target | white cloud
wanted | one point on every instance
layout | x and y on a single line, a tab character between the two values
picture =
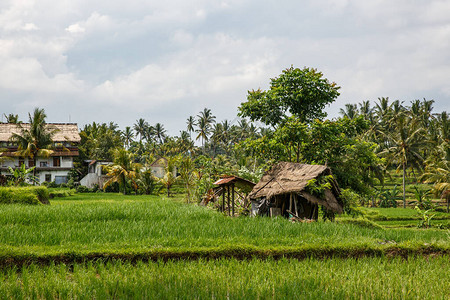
169	59
75	28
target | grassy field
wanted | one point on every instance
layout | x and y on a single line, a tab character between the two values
114	246
374	278
105	223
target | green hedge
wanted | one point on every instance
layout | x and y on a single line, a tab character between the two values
24	195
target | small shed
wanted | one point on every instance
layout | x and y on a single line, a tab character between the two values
282	191
232	189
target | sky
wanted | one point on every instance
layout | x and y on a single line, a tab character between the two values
85	61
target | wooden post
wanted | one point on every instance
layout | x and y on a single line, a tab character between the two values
232	199
228	200
223	198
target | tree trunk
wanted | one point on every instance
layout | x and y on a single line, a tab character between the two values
34	170
404	185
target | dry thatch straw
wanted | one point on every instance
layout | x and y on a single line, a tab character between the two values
287	177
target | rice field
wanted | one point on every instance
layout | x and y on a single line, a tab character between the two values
373	278
106	246
140	223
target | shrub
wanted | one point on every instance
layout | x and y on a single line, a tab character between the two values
24	195
52	185
82	189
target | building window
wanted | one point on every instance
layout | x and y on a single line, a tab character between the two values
56	161
48	177
61	179
43	164
30	163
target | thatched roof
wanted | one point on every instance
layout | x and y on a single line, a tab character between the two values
286	178
67	132
240	183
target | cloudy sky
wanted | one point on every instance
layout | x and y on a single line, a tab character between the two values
163	61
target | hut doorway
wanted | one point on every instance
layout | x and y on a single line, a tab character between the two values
293	205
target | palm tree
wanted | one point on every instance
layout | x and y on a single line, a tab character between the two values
203	131
438	173
170	176
123	170
160	132
140	128
204	123
407	143
190	125
350	111
11	118
128	136
35	139
365	109
149	134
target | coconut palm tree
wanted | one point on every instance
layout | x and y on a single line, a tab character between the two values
123	170
140	128
438	173
190	125
203	132
407	143
11	118
127	135
170	177
365	109
160	132
149	134
35	139
205	120
350	111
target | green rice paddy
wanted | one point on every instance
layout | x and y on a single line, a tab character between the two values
113	246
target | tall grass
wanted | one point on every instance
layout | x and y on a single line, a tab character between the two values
374	278
149	222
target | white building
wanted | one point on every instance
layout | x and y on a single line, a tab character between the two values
56	167
96	174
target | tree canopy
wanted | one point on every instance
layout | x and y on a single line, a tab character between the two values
303	93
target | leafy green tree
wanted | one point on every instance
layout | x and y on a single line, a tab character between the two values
333	143
303	93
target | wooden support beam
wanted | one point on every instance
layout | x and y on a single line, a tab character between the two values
223	198
232	199
228	200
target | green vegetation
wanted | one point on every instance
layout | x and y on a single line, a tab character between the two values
377	278
110	245
86	226
24	195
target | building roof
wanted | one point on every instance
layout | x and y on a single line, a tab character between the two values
287	177
230	179
159	162
241	183
67	132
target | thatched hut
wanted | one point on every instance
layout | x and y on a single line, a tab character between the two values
283	191
233	190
